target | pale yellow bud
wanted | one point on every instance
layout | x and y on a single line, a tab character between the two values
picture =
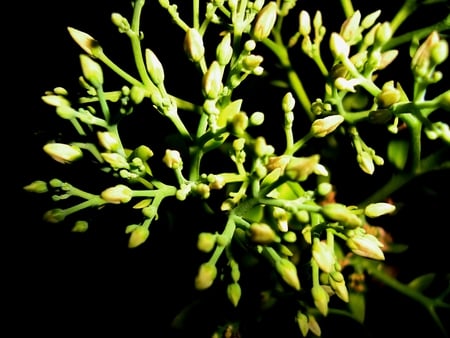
138	236
205	277
366	245
92	71
193	45
117	194
154	67
323	127
63	153
172	159
379	209
265	21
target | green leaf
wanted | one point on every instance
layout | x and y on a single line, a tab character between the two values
357	305
422	282
397	153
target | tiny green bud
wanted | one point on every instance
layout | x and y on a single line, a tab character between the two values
265	21
117	194
350	28
92	71
302	321
137	94
224	50
154	67
444	100
138	236
324	188
116	161
324	126
321	299
63	153
314	326
383	34
389	95
234	293
370	19
193	45
54	215
378	209
206	241
120	22
80	226
365	162
251	62
206	275
439	52
337	283
256	119
38	187
288	272
56	100
288	102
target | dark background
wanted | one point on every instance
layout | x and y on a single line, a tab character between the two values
62	283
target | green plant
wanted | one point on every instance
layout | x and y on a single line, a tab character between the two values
260	178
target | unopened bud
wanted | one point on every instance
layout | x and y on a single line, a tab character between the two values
288	272
92	71
116	161
206	241
323	255
154	67
193	45
304	23
38	187
138	236
54	216
108	140
340	213
117	194
262	233
323	127
224	50
234	293
172	159
339	47
378	209
63	153
86	42
299	168
212	81
206	275
321	299
366	245
388	96
265	21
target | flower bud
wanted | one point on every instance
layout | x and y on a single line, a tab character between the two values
172	159
63	153
54	215
302	321
116	161
304	23
137	94
206	241
265	21
388	96
378	209
340	213
205	277
421	62
193	45
323	127
314	326
323	255
120	22
365	162
366	245
299	168
154	67
92	71
212	81
288	272
251	62
56	100
108	140
321	299
350	28
86	42
80	226
234	293
339	47
224	50
337	283
444	100
383	34
288	102
39	187
138	236
262	233
117	194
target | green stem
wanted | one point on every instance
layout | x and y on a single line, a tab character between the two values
409	6
347	6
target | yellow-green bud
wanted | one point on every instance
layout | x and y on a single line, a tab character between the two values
63	153
314	326
257	118
304	23
224	51
324	188
378	209
212	81
234	293
265	21
288	272
92	71
262	233
54	215
172	159
299	168
288	102
138	236
206	275
38	187
154	67
80	226
389	95
370	19
56	100
66	112
350	31
116	161
323	255
251	62
302	321
108	140
120	22
321	299
340	213
365	162
366	245
137	94
206	241
86	42
117	194
193	45
439	52
386	58
383	34
323	127
444	100
337	283
421	61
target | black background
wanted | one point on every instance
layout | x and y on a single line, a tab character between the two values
61	283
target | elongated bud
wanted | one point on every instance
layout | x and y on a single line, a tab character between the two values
63	153
288	272
378	209
138	236
38	187
302	321
340	213
366	163
86	42
92	71
314	326
193	45
444	100
116	161
224	50
234	293
350	28
154	67
262	233
304	23
323	127
321	299
56	100
337	283
383	34
205	277
288	102
108	140
80	226
265	21
212	81
366	245
54	215
323	255
117	194
339	47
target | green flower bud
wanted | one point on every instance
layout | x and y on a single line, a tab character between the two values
63	153
92	71
138	236
366	245
324	188
193	45
66	112
154	67
337	283
304	23
383	34
365	161
117	194
224	50
444	100
172	159
378	209
323	127
86	42
108	140
80	226
323	255
120	22
302	321
314	326
387	58
389	95
116	161
39	187
265	21
421	62
321	299
288	272
251	62
206	241
262	233
56	100
234	293
340	213
212	81
137	94
206	275
288	102
439	52
370	19
256	119
339	47
350	31
54	215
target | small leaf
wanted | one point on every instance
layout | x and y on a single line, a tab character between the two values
397	153
357	305
422	282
